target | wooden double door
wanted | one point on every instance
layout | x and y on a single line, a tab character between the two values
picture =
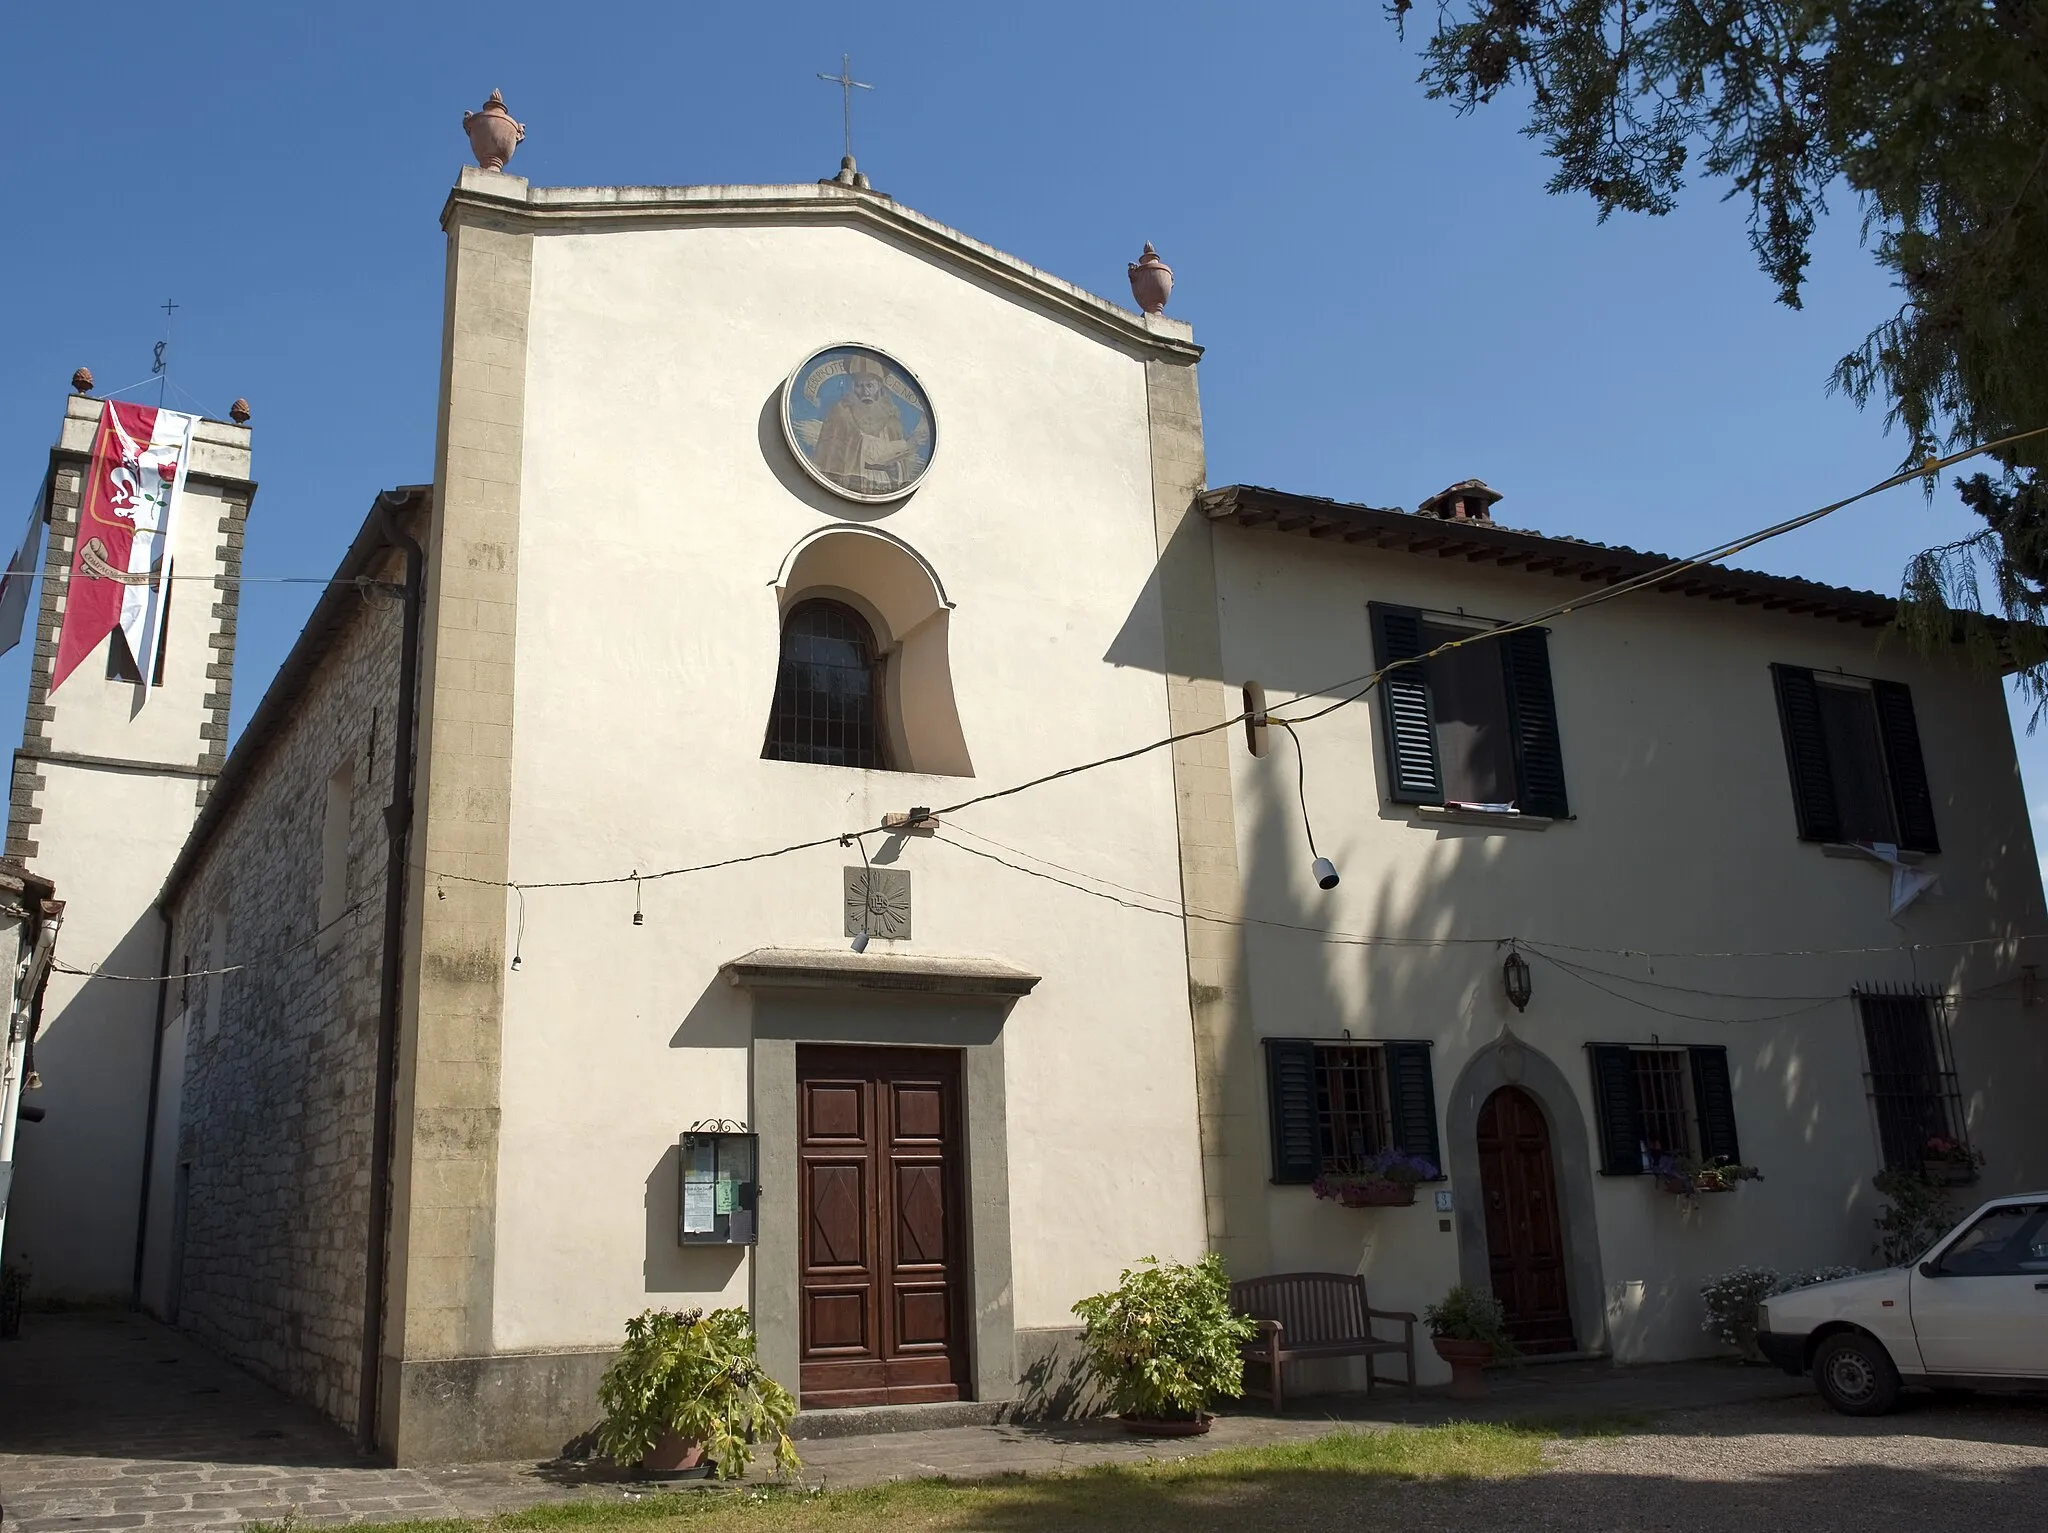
1524	1241
882	1165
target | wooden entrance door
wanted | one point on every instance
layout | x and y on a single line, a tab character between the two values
1524	1244
883	1275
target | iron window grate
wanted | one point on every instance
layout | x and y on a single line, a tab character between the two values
1912	1073
1353	1117
1660	1090
827	690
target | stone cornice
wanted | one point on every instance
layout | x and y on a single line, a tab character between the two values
782	968
499	197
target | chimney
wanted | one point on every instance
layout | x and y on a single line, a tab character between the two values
1469	500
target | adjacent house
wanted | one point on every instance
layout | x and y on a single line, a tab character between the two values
620	898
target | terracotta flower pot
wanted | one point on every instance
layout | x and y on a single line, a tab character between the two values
1166	1426
1468	1360
493	135
1151	281
674	1456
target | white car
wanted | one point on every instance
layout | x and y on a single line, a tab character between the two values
1972	1313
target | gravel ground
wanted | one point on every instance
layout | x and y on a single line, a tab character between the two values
1977	1463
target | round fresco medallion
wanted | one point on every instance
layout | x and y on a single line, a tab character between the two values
859	423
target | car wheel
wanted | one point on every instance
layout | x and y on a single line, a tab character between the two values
1855	1375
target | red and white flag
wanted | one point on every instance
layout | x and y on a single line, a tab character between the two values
120	560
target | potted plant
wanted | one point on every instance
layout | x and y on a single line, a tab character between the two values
1688	1177
686	1395
1469	1329
1164	1342
1950	1161
1385	1180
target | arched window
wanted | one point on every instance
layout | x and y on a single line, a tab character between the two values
827	689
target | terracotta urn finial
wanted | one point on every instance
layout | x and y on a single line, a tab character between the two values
493	135
238	412
1151	281
82	380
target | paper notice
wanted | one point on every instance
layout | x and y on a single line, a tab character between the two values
699	1207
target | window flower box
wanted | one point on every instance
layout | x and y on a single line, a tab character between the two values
1385	1180
1685	1177
1950	1162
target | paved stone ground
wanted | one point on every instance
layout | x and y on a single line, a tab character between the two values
115	1422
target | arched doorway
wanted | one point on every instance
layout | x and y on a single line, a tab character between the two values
1524	1238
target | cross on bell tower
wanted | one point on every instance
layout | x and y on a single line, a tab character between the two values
849	173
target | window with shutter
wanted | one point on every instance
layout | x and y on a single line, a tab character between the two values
1656	1101
1335	1105
1476	724
1618	1109
1412	1090
1407	720
1912	1075
1713	1094
1291	1086
1852	746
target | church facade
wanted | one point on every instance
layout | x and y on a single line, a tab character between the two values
615	903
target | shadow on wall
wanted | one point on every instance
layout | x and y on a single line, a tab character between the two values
674	1268
78	1174
721	1018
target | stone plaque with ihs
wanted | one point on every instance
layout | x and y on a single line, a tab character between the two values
877	902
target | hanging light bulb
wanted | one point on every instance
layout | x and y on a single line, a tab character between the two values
1324	870
860	940
638	919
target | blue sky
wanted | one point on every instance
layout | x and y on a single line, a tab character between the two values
1389	299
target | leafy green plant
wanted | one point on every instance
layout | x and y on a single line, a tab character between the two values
1687	1175
1916	1213
1731	1300
696	1375
1164	1342
1471	1314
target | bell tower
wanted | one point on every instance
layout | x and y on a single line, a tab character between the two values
106	785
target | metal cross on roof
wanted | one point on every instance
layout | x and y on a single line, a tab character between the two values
847	86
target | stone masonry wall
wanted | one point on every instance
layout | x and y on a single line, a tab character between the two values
274	1130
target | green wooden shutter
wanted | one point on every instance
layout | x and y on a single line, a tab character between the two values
1806	754
1912	799
1411	1099
1291	1087
1406	717
1532	722
1619	1109
1713	1093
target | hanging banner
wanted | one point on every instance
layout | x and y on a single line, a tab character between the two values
120	560
19	575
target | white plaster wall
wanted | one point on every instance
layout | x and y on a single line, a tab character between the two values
107	839
657	506
1683	841
163	1172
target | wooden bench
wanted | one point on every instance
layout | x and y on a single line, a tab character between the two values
1304	1316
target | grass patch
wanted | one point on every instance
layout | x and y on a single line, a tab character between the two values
1330	1479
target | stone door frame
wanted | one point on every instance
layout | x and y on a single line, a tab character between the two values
1509	1061
784	1018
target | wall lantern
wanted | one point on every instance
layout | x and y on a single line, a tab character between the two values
1514	978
